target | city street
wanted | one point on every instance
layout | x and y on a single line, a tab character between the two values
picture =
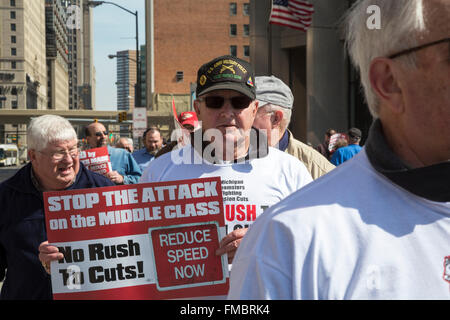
6	172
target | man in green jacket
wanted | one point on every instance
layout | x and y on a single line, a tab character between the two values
274	114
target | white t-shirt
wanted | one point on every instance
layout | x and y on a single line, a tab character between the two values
248	188
352	234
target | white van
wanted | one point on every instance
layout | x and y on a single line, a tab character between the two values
9	155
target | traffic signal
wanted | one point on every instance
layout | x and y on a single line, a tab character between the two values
122	116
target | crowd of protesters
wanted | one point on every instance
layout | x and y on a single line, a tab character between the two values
332	230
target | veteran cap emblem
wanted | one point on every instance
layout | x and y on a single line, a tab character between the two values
226	72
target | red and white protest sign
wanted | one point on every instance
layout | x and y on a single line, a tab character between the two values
142	241
182	253
334	139
96	160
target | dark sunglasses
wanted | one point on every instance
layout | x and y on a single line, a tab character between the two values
216	102
407	51
101	133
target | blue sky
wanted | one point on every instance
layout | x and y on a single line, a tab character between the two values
114	30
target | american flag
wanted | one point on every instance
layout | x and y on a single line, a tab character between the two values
292	13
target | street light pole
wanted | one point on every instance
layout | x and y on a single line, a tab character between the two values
137	103
94	4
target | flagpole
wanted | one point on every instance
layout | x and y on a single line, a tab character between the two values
270	40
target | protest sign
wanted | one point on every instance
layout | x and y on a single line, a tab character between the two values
96	160
139	122
334	139
142	241
182	253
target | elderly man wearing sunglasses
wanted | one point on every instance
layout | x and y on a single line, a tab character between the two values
254	176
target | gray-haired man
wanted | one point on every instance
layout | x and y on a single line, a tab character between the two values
274	115
54	166
378	226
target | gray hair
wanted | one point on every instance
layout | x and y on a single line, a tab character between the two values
48	129
129	140
401	22
287	113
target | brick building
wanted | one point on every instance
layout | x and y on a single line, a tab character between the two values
188	33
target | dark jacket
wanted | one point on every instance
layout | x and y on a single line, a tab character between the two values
22	230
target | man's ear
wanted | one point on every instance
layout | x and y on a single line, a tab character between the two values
32	155
197	107
383	75
276	118
255	106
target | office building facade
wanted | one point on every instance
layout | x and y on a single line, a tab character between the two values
126	79
23	70
23	74
57	55
80	57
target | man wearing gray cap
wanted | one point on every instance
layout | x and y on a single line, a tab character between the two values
274	115
378	226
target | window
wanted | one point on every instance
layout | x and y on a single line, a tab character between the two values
13	27
246	30
12	3
246	9
179	76
13	65
13	104
12	14
233	30
13	39
13	51
233	50
233	8
246	51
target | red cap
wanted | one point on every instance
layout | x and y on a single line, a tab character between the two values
188	117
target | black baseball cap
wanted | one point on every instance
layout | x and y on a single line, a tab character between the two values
355	133
226	72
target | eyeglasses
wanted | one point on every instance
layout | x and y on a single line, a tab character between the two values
59	155
407	51
216	102
101	133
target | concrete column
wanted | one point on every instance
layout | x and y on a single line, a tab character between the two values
259	36
327	72
149	53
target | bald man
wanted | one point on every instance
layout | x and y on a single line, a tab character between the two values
125	169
